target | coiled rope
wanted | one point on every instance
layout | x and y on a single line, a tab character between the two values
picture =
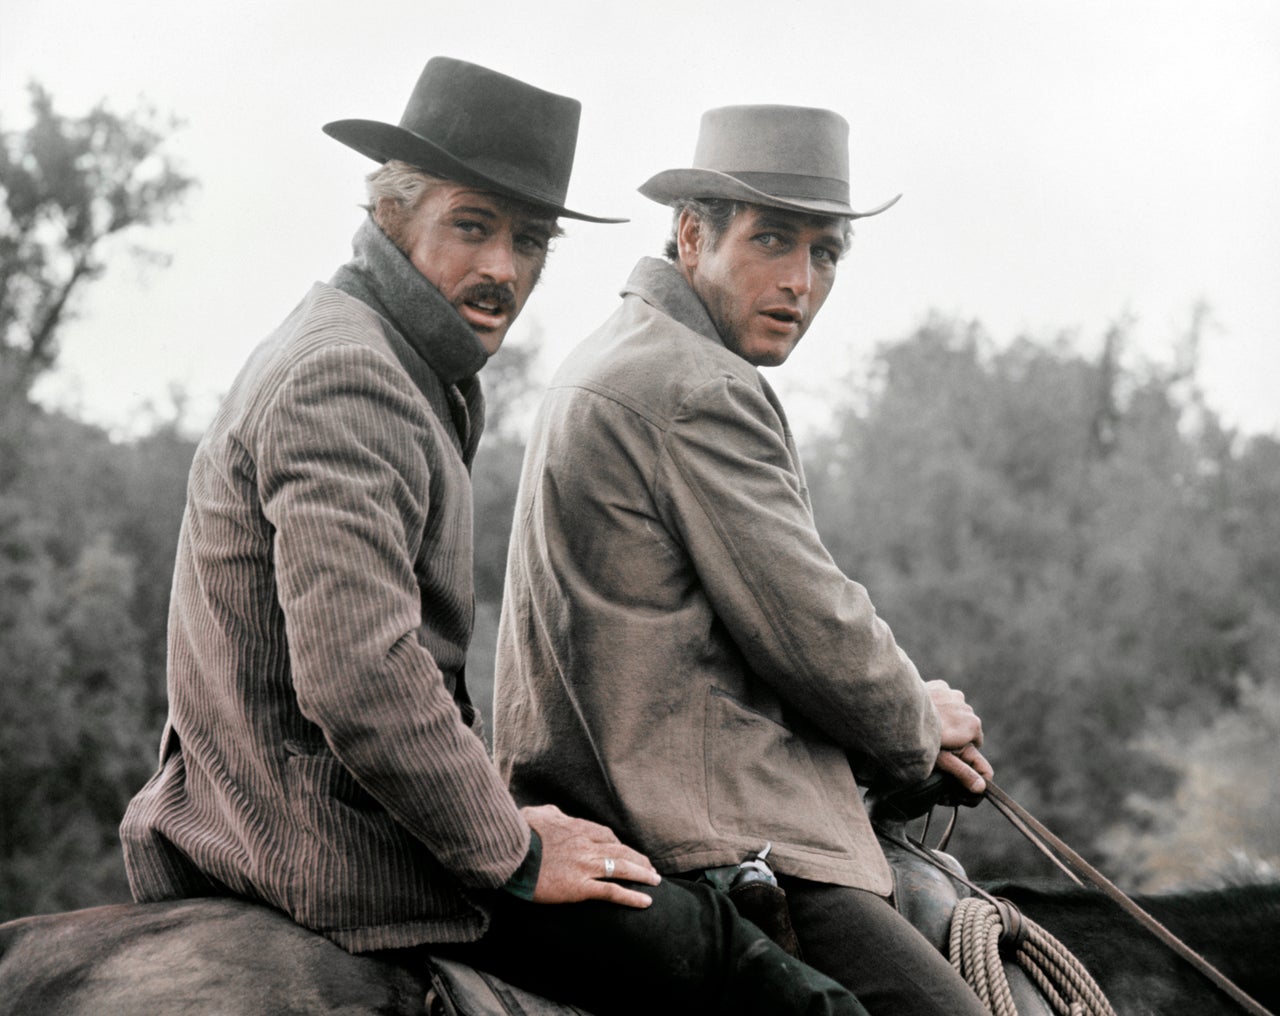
981	928
976	942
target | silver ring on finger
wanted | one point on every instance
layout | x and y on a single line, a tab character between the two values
608	867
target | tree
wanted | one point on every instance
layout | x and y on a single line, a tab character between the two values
1076	543
86	526
86	556
69	186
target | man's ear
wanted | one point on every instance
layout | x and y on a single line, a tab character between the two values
688	238
389	215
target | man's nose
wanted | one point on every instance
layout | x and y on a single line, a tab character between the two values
797	276
499	261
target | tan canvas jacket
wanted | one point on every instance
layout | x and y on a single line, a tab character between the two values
679	657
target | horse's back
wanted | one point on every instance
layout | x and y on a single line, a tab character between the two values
190	956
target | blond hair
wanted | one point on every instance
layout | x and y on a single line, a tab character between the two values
395	191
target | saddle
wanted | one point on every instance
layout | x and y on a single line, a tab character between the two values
928	883
460	990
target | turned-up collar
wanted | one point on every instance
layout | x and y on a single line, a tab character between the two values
660	283
380	275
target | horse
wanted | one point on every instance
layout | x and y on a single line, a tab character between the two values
1237	929
236	958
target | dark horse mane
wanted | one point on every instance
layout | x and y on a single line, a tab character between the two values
1236	928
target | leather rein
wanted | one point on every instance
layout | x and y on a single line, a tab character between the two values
1072	863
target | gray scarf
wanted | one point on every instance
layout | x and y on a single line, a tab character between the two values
381	276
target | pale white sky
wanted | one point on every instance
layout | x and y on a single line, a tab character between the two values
1064	163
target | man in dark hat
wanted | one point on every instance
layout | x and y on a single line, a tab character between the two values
321	753
679	657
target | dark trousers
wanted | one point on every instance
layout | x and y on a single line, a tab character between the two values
689	954
859	940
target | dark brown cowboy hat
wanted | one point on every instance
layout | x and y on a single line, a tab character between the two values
476	126
791	157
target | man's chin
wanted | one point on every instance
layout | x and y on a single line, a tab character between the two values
768	355
761	350
490	339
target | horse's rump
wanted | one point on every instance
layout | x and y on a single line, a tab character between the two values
191	956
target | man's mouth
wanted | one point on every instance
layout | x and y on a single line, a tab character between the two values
487	306
783	315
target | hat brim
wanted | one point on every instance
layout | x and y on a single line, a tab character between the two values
383	141
671	185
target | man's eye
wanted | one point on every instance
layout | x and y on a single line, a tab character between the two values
469	226
530	242
773	241
826	255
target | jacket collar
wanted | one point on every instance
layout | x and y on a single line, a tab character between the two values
659	283
380	275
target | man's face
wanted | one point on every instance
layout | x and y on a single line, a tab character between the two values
765	280
482	251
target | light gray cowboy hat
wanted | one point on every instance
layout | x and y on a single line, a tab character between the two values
791	157
467	123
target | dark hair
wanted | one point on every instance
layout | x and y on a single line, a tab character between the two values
715	214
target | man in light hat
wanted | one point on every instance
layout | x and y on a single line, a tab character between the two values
321	754
679	657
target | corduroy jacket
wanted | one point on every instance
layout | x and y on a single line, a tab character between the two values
318	754
679	657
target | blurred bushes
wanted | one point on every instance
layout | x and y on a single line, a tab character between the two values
87	536
1084	550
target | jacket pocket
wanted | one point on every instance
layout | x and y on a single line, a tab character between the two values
354	865
322	778
762	781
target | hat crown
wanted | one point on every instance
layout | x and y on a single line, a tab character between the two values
500	126
790	157
467	123
794	140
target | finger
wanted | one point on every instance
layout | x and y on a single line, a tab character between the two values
619	851
622	852
976	761
980	763
630	870
969	777
612	892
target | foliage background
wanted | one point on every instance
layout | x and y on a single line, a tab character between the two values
1073	538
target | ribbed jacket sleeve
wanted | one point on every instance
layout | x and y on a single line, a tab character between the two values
347	477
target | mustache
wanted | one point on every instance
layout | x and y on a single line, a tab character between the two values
501	296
